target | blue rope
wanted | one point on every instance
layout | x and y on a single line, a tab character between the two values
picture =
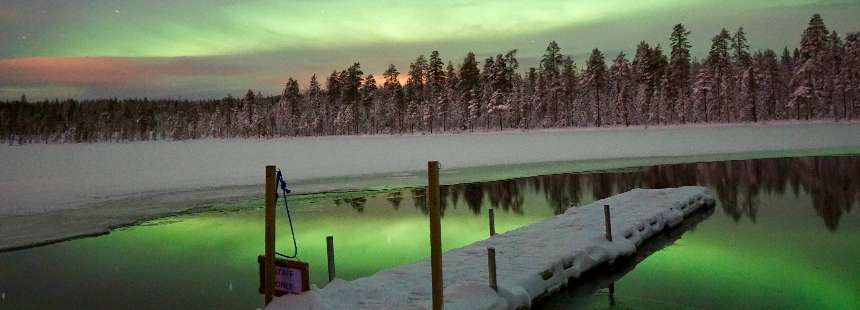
279	182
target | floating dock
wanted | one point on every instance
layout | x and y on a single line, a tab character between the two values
531	262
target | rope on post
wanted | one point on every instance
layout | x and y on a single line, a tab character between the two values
282	184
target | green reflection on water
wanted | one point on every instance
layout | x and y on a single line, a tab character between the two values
212	256
785	260
783	236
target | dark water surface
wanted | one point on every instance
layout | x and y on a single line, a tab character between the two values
785	234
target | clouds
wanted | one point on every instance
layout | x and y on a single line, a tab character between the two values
118	76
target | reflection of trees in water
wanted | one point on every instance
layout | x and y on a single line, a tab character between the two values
395	198
358	203
560	190
419	198
830	181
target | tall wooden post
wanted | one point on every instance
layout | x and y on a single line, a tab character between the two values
329	245
606	218
492	223
269	261
435	232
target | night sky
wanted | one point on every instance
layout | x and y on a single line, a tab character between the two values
207	49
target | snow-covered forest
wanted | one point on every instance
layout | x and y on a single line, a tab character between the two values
820	79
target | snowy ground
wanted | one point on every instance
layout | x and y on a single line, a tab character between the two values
531	261
88	188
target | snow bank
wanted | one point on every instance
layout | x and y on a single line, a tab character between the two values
531	261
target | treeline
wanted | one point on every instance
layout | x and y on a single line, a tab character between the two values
818	80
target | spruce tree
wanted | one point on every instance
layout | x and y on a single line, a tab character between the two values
679	72
595	79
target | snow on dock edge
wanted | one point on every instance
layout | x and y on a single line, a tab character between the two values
531	261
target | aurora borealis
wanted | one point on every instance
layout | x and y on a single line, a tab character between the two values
201	49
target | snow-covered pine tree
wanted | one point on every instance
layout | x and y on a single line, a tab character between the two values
770	83
316	105
435	74
851	74
415	88
451	102
289	110
747	99
810	74
495	106
469	89
740	95
487	88
329	112
474	109
621	86
368	100
550	66
594	80
569	82
720	70
394	98
835	85
679	74
702	89
350	86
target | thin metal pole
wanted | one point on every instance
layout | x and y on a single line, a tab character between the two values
329	243
269	261
435	233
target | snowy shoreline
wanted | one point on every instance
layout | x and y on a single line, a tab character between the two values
532	261
59	191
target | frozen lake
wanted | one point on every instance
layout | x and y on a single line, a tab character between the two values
784	234
57	191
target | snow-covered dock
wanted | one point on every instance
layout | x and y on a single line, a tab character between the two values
532	261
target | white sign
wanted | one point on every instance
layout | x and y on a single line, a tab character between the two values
288	280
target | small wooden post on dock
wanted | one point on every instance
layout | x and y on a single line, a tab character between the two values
435	233
269	262
329	246
606	217
612	294
492	223
491	262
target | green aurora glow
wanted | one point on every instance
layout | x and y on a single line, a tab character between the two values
271	40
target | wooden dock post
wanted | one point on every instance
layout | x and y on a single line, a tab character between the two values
269	261
435	232
329	246
612	294
492	223
491	262
606	217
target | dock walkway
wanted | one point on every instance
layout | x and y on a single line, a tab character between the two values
532	261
